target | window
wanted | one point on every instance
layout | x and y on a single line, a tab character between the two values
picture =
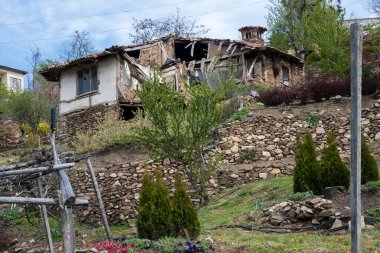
14	83
87	81
285	75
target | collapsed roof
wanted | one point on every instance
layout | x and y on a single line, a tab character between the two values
185	50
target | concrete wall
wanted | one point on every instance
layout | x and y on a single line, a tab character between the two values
107	91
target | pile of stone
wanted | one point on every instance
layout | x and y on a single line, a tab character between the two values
315	210
10	133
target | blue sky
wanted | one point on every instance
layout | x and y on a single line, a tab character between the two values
26	24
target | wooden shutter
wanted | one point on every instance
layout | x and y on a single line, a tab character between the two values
80	89
94	79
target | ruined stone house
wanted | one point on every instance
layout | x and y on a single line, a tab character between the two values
108	79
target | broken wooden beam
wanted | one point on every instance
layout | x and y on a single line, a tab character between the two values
38	201
37	170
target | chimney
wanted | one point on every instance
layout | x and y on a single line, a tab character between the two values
252	33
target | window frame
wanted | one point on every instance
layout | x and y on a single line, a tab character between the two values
90	74
18	86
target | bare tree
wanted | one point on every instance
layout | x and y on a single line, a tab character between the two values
178	25
374	6
79	46
34	60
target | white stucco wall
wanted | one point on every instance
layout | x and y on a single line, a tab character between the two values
107	89
6	76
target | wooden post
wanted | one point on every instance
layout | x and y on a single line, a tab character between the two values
356	45
99	198
66	195
45	218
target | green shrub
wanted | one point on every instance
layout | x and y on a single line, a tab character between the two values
333	170
373	212
306	172
370	171
144	219
372	186
161	214
184	215
248	154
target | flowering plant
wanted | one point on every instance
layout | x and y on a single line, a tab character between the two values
116	245
193	247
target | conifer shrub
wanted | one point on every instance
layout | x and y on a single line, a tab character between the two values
184	215
306	172
370	171
161	214
144	219
334	171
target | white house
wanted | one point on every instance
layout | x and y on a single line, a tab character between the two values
12	78
108	80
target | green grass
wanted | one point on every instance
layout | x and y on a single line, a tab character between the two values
230	207
238	115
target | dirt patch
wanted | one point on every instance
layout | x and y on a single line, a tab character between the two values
370	200
119	155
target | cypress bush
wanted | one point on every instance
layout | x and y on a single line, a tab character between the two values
144	220
334	171
306	172
161	214
184	215
370	171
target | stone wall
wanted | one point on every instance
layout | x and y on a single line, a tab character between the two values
270	133
69	124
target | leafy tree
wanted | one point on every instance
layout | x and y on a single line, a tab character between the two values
179	123
183	212
370	172
327	39
306	172
333	170
312	28
161	214
178	25
28	107
79	46
144	219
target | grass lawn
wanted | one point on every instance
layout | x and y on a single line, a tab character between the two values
242	204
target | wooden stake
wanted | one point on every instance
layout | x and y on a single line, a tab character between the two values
356	45
99	198
45	218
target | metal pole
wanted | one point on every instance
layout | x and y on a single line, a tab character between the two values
99	198
45	218
356	45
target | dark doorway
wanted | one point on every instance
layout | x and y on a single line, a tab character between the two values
128	112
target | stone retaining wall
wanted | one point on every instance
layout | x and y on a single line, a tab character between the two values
270	133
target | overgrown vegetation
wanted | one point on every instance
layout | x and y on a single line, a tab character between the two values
107	132
334	171
238	115
307	171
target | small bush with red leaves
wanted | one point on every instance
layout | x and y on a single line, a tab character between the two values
317	88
